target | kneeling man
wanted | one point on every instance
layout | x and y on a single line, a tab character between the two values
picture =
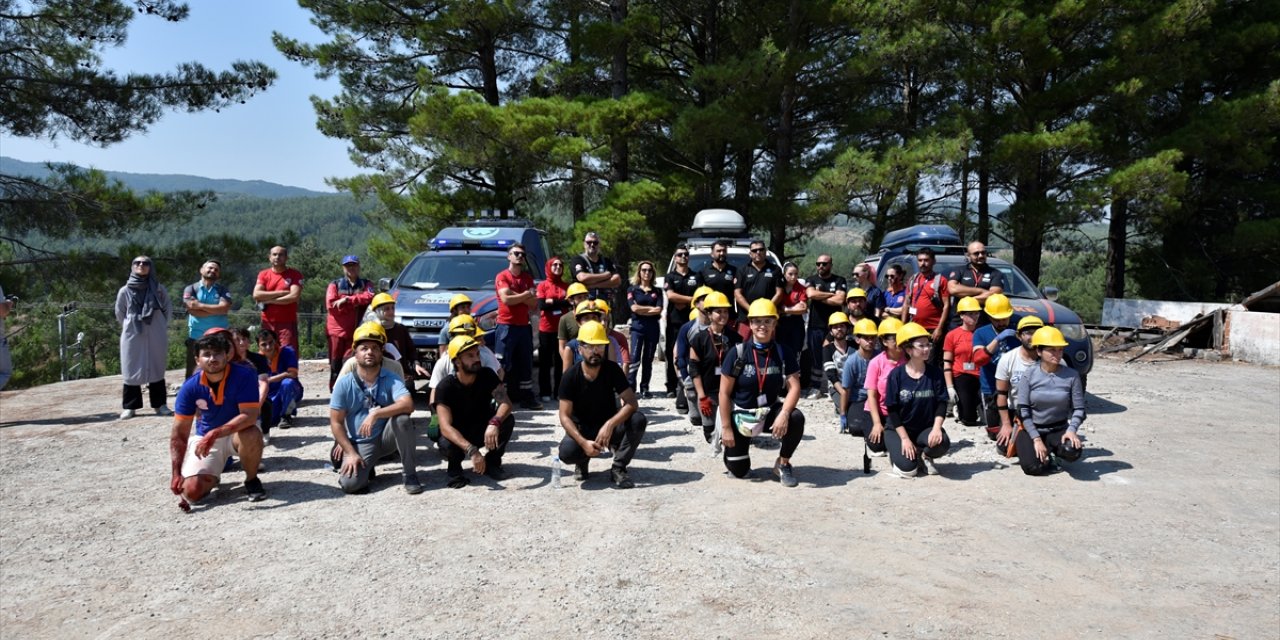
222	402
598	409
369	416
474	413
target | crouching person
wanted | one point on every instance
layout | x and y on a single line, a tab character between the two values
916	398
598	409
222	401
474	413
1050	401
759	389
369	416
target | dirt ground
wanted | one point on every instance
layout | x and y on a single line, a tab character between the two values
1169	527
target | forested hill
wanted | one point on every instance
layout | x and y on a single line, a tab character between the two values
173	182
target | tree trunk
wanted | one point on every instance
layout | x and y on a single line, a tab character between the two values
619	155
984	170
1117	239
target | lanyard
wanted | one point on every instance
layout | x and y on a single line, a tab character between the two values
367	394
914	291
716	342
760	373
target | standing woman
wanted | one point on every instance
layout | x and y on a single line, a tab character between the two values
143	311
958	367
877	377
553	303
895	291
916	397
1051	405
646	314
759	389
795	304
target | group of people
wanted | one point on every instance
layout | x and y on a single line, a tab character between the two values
740	359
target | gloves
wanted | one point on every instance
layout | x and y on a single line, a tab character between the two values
844	424
1006	334
951	393
704	405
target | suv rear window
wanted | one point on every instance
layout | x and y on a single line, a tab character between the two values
456	271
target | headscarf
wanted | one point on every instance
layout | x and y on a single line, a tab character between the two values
553	286
144	296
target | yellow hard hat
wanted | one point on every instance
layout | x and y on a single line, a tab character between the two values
910	331
592	333
370	331
715	300
968	303
461	298
463	324
865	327
576	289
1030	321
460	344
998	306
701	292
585	307
601	305
889	326
693	314
1048	337
838	317
381	299
856	292
762	308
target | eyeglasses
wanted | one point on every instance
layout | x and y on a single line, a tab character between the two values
762	322
682	254
978	254
557	265
921	345
824	264
592	348
141	263
518	254
757	250
591	242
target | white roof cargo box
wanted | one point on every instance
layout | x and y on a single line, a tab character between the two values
713	221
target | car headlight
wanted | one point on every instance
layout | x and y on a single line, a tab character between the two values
488	322
1072	331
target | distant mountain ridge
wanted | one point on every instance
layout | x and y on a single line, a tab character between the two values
174	182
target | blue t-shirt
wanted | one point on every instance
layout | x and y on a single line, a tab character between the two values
217	404
875	300
773	360
891	300
983	336
286	359
205	295
652	298
687	330
916	402
854	376
352	396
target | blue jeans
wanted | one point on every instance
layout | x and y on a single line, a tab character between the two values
644	344
290	390
515	349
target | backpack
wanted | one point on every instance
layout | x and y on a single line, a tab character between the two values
936	299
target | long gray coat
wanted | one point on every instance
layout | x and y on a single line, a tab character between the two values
144	348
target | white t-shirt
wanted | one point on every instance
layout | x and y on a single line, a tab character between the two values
1011	367
444	366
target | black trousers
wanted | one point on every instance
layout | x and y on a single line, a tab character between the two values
968	398
991	414
737	459
1052	438
474	433
549	364
133	395
626	438
675	320
191	357
893	444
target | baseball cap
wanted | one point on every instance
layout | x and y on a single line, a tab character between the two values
350	259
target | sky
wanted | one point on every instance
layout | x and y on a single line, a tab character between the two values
271	137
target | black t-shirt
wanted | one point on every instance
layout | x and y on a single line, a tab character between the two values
683	284
260	363
580	264
471	405
594	401
711	350
777	365
819	312
722	281
971	276
759	283
916	402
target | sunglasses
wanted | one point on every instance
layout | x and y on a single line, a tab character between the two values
824	264
760	250
557	265
518	254
682	255
141	263
592	242
979	253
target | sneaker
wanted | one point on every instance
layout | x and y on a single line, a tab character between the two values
670	395
163	410
292	409
580	470
929	468
682	403
127	413
253	489
785	473
286	422
496	472
457	482
411	484
893	468
531	405
620	478
717	443
545	399
877	454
